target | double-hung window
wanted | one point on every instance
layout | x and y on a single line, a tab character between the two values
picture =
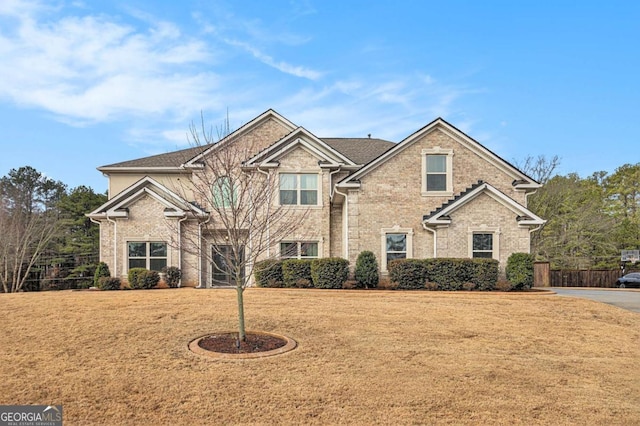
482	245
396	247
224	195
299	249
436	172
396	243
148	255
299	189
437	176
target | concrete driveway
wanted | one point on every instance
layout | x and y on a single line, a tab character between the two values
626	299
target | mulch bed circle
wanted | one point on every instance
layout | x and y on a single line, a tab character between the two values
256	345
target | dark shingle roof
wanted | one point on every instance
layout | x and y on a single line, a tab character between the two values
170	159
359	150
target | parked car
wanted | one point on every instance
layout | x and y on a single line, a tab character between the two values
629	280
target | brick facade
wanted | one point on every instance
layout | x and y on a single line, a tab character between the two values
389	197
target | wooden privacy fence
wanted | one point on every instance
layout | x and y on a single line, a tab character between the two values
544	276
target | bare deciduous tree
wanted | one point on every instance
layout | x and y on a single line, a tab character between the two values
539	168
28	223
245	220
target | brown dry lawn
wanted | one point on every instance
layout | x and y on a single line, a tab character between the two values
364	357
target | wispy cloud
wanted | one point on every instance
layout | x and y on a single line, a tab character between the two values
88	69
294	70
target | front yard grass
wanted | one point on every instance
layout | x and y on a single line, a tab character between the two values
364	357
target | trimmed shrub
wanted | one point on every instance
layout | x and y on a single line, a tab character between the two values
294	270
451	273
102	270
108	283
485	274
444	273
520	270
268	273
329	272
133	276
172	275
148	279
366	272
408	273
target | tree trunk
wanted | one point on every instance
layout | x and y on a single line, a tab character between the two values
242	336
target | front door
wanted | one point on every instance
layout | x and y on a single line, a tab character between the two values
223	272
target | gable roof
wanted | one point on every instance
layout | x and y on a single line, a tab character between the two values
440	216
299	137
360	150
178	160
175	206
520	180
168	160
268	114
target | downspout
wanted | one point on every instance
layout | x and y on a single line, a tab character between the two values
345	223
180	247
115	244
200	253
435	239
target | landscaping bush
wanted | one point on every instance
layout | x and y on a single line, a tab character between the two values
140	278
329	272
520	270
366	272
108	283
149	279
444	273
101	271
294	270
485	274
408	273
133	276
451	273
172	275
268	273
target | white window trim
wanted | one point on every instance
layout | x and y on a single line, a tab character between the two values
383	243
484	229
299	242
437	151
298	173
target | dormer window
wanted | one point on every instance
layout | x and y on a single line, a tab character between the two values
437	176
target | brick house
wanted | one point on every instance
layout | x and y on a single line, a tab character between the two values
437	193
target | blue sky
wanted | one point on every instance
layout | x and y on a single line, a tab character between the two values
89	83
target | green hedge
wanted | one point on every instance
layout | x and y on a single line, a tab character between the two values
444	273
329	272
297	273
409	273
366	272
520	270
268	273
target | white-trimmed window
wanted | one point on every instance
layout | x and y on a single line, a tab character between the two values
299	249
148	255
299	189
224	195
396	243
484	242
437	171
